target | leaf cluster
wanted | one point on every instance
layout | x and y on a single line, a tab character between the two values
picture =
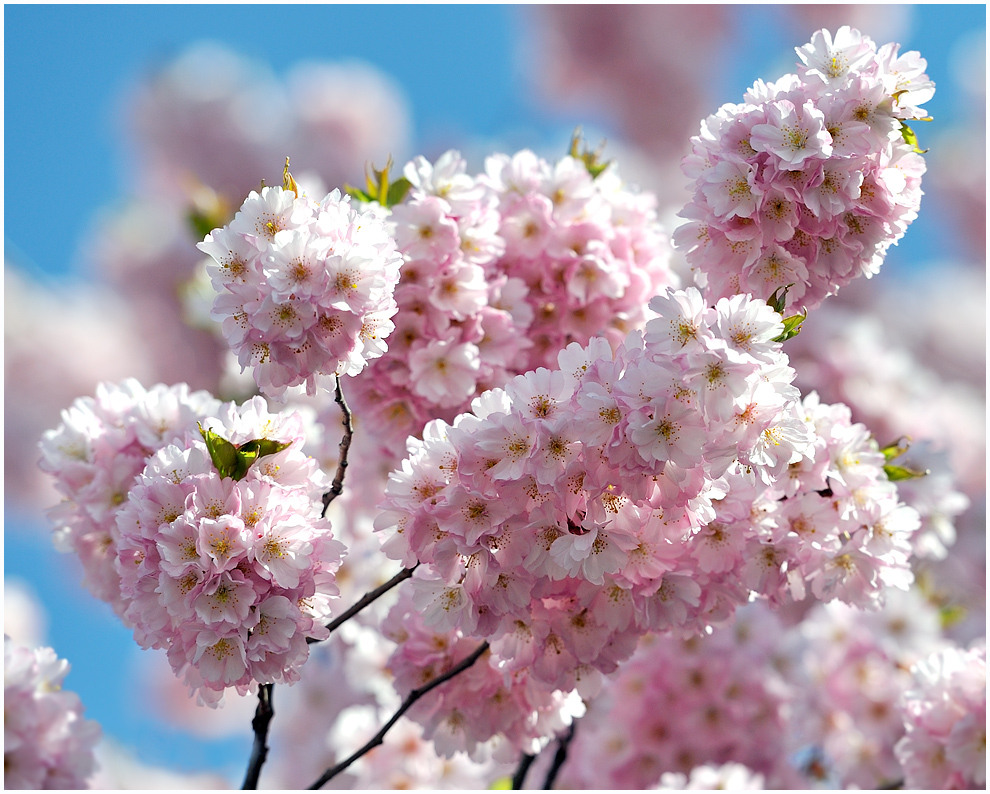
591	159
792	325
233	460
896	472
378	187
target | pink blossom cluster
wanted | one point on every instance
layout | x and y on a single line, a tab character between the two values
46	742
230	574
304	288
677	704
945	714
501	271
94	456
485	702
810	179
589	250
849	670
651	489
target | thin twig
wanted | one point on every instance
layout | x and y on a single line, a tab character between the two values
559	757
413	696
368	598
262	718
519	777
337	486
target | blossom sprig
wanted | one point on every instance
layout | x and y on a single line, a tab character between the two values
810	179
304	287
230	574
47	744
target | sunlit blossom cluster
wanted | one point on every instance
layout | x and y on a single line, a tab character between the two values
810	179
304	288
230	574
94	456
47	744
652	489
945	713
501	271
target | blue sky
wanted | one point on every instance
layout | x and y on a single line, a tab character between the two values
462	68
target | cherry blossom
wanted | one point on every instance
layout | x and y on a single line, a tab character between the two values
811	179
47	743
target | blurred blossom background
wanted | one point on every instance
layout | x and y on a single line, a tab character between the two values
132	130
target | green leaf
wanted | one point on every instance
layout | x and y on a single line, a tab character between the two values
579	151
264	446
779	302
896	473
502	784
244	460
357	193
397	191
222	453
201	223
792	327
896	449
910	138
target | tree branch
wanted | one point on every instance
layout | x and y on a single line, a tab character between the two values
519	776
337	486
559	757
368	598
262	718
412	697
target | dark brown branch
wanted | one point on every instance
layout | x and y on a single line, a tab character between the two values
368	598
337	486
559	757
519	776
413	696
262	718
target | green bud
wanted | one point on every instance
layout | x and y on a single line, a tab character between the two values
896	473
378	187
288	182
